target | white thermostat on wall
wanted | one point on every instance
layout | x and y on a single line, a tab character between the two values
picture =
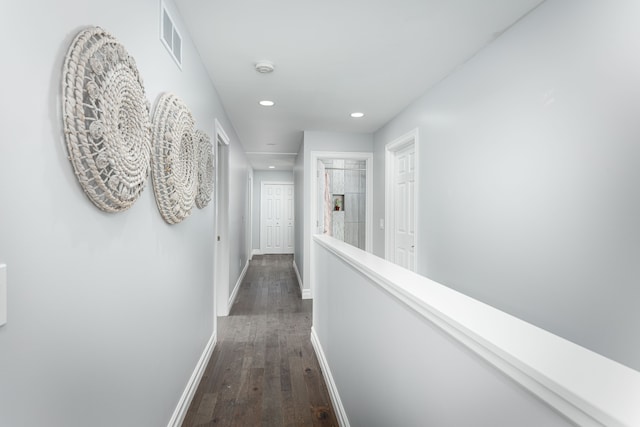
3	294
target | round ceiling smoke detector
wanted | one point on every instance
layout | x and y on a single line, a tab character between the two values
264	67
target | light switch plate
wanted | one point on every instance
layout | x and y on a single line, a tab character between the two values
3	294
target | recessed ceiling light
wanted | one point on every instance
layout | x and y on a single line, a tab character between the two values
357	115
272	167
267	103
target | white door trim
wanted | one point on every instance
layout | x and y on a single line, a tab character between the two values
263	249
313	187
221	188
410	138
289	218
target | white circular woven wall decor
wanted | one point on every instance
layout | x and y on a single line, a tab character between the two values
174	159
205	169
106	119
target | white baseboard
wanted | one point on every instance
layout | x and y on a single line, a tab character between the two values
190	390
306	293
343	421
234	294
295	268
256	252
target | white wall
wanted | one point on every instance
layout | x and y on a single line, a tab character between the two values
529	166
323	141
239	172
258	177
393	367
108	313
299	209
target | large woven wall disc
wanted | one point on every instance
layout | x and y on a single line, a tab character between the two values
205	169
174	159
106	120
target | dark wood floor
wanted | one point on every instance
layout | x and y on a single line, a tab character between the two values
263	371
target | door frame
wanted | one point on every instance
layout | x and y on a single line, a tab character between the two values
309	273
262	231
249	216
221	257
319	182
390	150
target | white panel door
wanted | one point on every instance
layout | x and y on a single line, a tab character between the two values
276	219
273	219
404	208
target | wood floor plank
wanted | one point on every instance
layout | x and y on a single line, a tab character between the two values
288	411
302	406
272	403
263	371
249	403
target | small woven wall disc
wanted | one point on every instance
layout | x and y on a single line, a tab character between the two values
174	159
106	120
205	169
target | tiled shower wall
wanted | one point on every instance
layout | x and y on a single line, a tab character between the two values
349	223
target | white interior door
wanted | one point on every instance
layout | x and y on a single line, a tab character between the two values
401	178
276	218
272	218
404	206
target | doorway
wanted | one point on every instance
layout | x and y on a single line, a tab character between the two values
249	216
401	170
342	200
316	212
221	186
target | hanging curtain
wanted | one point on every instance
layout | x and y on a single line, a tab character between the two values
327	205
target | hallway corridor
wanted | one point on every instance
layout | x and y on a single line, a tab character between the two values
263	371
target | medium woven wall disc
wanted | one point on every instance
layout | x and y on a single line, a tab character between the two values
174	159
205	169
106	118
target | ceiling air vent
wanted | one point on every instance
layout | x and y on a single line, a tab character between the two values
264	67
170	36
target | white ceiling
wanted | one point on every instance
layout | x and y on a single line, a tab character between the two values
333	57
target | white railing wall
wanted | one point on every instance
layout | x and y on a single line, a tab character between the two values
398	349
